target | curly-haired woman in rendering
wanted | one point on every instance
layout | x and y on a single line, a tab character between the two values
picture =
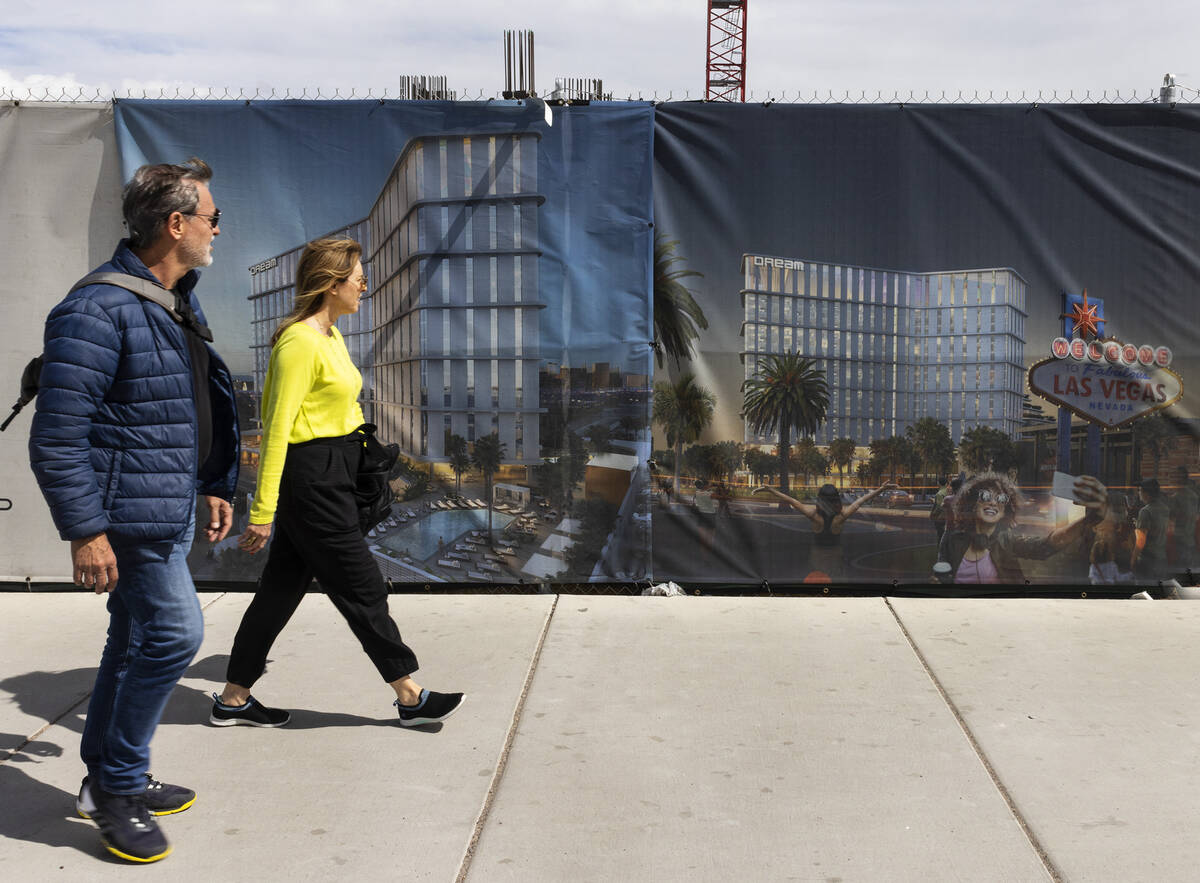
985	546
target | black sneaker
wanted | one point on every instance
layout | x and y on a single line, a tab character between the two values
432	708
127	829
162	799
252	714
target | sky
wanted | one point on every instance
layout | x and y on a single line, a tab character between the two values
652	49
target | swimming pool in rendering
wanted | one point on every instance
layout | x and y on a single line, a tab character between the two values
420	539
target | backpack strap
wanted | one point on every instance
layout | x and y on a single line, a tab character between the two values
144	289
150	291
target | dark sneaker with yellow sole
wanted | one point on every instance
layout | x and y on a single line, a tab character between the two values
127	829
252	714
431	708
162	799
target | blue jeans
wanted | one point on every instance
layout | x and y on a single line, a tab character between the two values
155	629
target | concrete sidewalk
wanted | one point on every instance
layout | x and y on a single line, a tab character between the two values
616	738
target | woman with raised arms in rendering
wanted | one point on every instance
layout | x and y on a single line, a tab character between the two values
985	546
828	517
311	447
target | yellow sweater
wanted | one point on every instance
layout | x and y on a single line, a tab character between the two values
311	391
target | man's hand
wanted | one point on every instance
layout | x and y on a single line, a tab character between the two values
254	538
220	519
94	564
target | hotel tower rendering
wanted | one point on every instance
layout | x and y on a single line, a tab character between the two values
895	345
447	337
455	303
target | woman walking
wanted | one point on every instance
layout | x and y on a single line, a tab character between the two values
311	448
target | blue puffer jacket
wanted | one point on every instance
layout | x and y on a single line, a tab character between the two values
113	443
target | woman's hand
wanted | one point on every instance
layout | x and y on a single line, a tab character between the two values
1091	493
255	537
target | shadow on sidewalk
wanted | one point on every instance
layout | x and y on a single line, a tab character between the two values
51	696
190	705
40	694
60	697
210	668
307	719
36	812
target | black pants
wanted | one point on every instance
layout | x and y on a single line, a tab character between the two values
317	534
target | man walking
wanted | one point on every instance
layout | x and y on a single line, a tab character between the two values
135	416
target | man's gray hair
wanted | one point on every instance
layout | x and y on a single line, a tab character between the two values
155	192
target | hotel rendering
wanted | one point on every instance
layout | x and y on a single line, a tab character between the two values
447	337
895	345
455	296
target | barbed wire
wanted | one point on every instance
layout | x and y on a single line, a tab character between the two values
88	95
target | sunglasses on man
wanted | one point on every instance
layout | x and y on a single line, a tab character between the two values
213	219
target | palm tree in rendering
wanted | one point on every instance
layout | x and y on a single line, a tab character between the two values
487	456
932	442
683	409
1154	435
841	455
788	396
678	319
460	460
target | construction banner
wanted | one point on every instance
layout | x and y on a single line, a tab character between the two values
857	296
504	336
940	347
60	216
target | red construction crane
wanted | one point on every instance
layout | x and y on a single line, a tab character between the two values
725	74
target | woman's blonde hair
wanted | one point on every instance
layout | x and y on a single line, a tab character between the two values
323	264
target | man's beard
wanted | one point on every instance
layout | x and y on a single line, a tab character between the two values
195	257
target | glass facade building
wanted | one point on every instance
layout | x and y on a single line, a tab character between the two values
895	345
455	296
448	334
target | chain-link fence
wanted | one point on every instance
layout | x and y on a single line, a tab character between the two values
87	95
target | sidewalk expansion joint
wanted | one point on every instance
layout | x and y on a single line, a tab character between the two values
1036	845
8	754
502	760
